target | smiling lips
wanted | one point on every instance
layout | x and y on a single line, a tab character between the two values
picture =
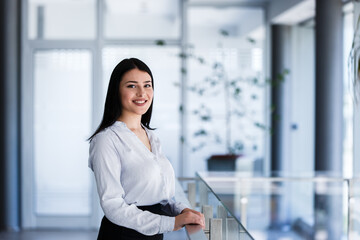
140	103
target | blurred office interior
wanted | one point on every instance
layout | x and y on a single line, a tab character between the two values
267	82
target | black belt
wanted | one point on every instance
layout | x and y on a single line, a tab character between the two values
157	209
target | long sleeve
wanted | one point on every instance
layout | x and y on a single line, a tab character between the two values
173	207
105	162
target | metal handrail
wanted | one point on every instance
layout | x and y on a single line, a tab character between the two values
195	232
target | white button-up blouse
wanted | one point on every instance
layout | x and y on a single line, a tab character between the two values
129	175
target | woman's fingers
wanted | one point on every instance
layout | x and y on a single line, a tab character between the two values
201	217
189	217
193	218
193	211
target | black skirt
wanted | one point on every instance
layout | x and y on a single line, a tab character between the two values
111	231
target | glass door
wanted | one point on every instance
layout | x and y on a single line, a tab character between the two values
58	77
59	184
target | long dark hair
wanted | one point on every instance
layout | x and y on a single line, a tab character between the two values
113	107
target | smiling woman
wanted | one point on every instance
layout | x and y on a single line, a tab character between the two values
135	181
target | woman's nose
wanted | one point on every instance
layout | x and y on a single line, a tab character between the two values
140	92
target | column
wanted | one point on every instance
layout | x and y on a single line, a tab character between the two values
9	111
329	85
280	97
329	114
280	120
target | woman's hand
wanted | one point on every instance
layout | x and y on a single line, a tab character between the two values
189	216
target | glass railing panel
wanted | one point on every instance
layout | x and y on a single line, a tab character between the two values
213	207
220	224
195	232
280	207
189	232
354	209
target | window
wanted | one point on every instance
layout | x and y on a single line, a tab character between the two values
141	19
61	19
62	121
227	91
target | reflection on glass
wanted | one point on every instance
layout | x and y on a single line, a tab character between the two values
62	123
165	66
226	86
64	19
142	19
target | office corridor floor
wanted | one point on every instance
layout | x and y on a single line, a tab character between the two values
70	235
49	235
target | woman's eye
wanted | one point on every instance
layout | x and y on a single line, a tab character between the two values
131	86
148	85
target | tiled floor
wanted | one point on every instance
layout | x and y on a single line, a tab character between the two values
70	235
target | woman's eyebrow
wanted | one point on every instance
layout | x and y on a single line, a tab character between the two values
131	82
149	81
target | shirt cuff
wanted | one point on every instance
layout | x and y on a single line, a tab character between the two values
179	207
167	224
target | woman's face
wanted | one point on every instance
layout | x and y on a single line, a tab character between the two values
136	92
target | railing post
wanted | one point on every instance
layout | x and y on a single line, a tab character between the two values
243	203
192	194
232	229
222	214
215	229
208	214
203	194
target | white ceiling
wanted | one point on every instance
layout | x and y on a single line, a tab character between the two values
303	11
